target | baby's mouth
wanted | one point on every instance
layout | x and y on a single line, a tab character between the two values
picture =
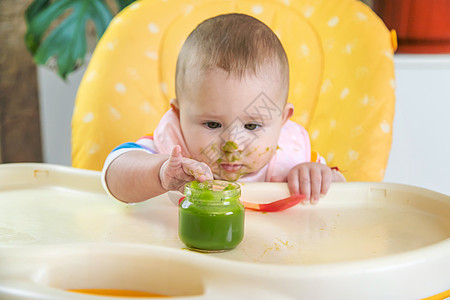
231	167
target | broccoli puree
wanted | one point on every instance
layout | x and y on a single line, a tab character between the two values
211	217
229	146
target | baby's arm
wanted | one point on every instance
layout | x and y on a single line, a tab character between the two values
312	179
136	176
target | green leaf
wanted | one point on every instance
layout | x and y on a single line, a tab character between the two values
32	37
66	43
123	3
35	8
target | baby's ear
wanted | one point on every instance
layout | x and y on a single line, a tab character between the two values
175	106
287	112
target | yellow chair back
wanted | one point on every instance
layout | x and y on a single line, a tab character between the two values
341	65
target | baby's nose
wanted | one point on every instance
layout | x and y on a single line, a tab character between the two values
230	146
231	151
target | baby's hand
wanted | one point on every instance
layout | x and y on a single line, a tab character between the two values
178	170
312	179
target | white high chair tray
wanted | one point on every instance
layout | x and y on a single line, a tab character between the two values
59	230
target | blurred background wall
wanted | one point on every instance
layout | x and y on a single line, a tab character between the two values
20	135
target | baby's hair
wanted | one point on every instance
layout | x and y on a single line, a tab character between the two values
237	43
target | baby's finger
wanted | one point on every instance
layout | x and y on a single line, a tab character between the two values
316	184
305	183
175	158
294	188
203	173
207	173
337	176
327	175
200	171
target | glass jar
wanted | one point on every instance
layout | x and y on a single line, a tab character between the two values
211	216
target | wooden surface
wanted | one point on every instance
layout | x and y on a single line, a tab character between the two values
20	137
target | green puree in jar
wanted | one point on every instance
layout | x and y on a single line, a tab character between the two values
211	217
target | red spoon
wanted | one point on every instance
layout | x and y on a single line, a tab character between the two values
278	205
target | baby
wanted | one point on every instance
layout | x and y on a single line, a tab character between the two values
229	121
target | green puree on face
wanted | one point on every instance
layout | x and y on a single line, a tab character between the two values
229	146
211	219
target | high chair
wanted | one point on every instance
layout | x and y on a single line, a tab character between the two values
341	77
60	234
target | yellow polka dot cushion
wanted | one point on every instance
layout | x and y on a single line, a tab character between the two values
341	63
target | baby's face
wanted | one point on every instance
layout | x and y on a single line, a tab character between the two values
233	124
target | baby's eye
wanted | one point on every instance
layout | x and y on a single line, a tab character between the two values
251	126
213	125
